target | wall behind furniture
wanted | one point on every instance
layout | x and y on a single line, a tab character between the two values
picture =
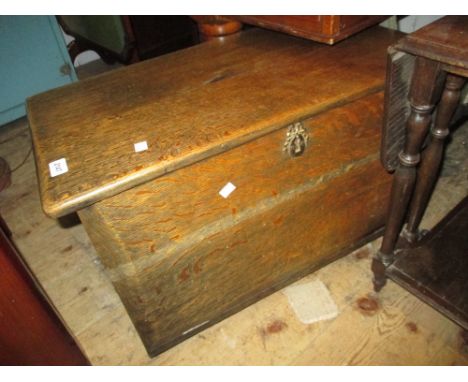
409	24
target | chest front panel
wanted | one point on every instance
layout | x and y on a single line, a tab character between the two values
182	257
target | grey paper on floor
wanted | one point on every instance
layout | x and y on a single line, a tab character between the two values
311	301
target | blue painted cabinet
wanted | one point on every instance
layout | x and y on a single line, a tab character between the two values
33	59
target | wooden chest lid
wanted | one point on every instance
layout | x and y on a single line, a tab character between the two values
188	106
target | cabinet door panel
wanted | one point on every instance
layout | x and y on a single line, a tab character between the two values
33	59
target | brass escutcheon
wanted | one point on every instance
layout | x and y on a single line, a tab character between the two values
296	140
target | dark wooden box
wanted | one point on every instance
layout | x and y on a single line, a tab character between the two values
322	28
294	125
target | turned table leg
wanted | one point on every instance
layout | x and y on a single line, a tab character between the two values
432	156
421	100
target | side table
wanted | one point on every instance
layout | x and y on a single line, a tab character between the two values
437	57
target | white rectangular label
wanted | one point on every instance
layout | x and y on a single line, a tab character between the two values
141	146
58	167
227	189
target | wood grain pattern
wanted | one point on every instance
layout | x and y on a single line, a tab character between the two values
402	331
322	28
182	258
191	105
445	40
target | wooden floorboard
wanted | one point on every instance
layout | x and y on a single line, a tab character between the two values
391	328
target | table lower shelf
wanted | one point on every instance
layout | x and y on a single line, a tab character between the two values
436	269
